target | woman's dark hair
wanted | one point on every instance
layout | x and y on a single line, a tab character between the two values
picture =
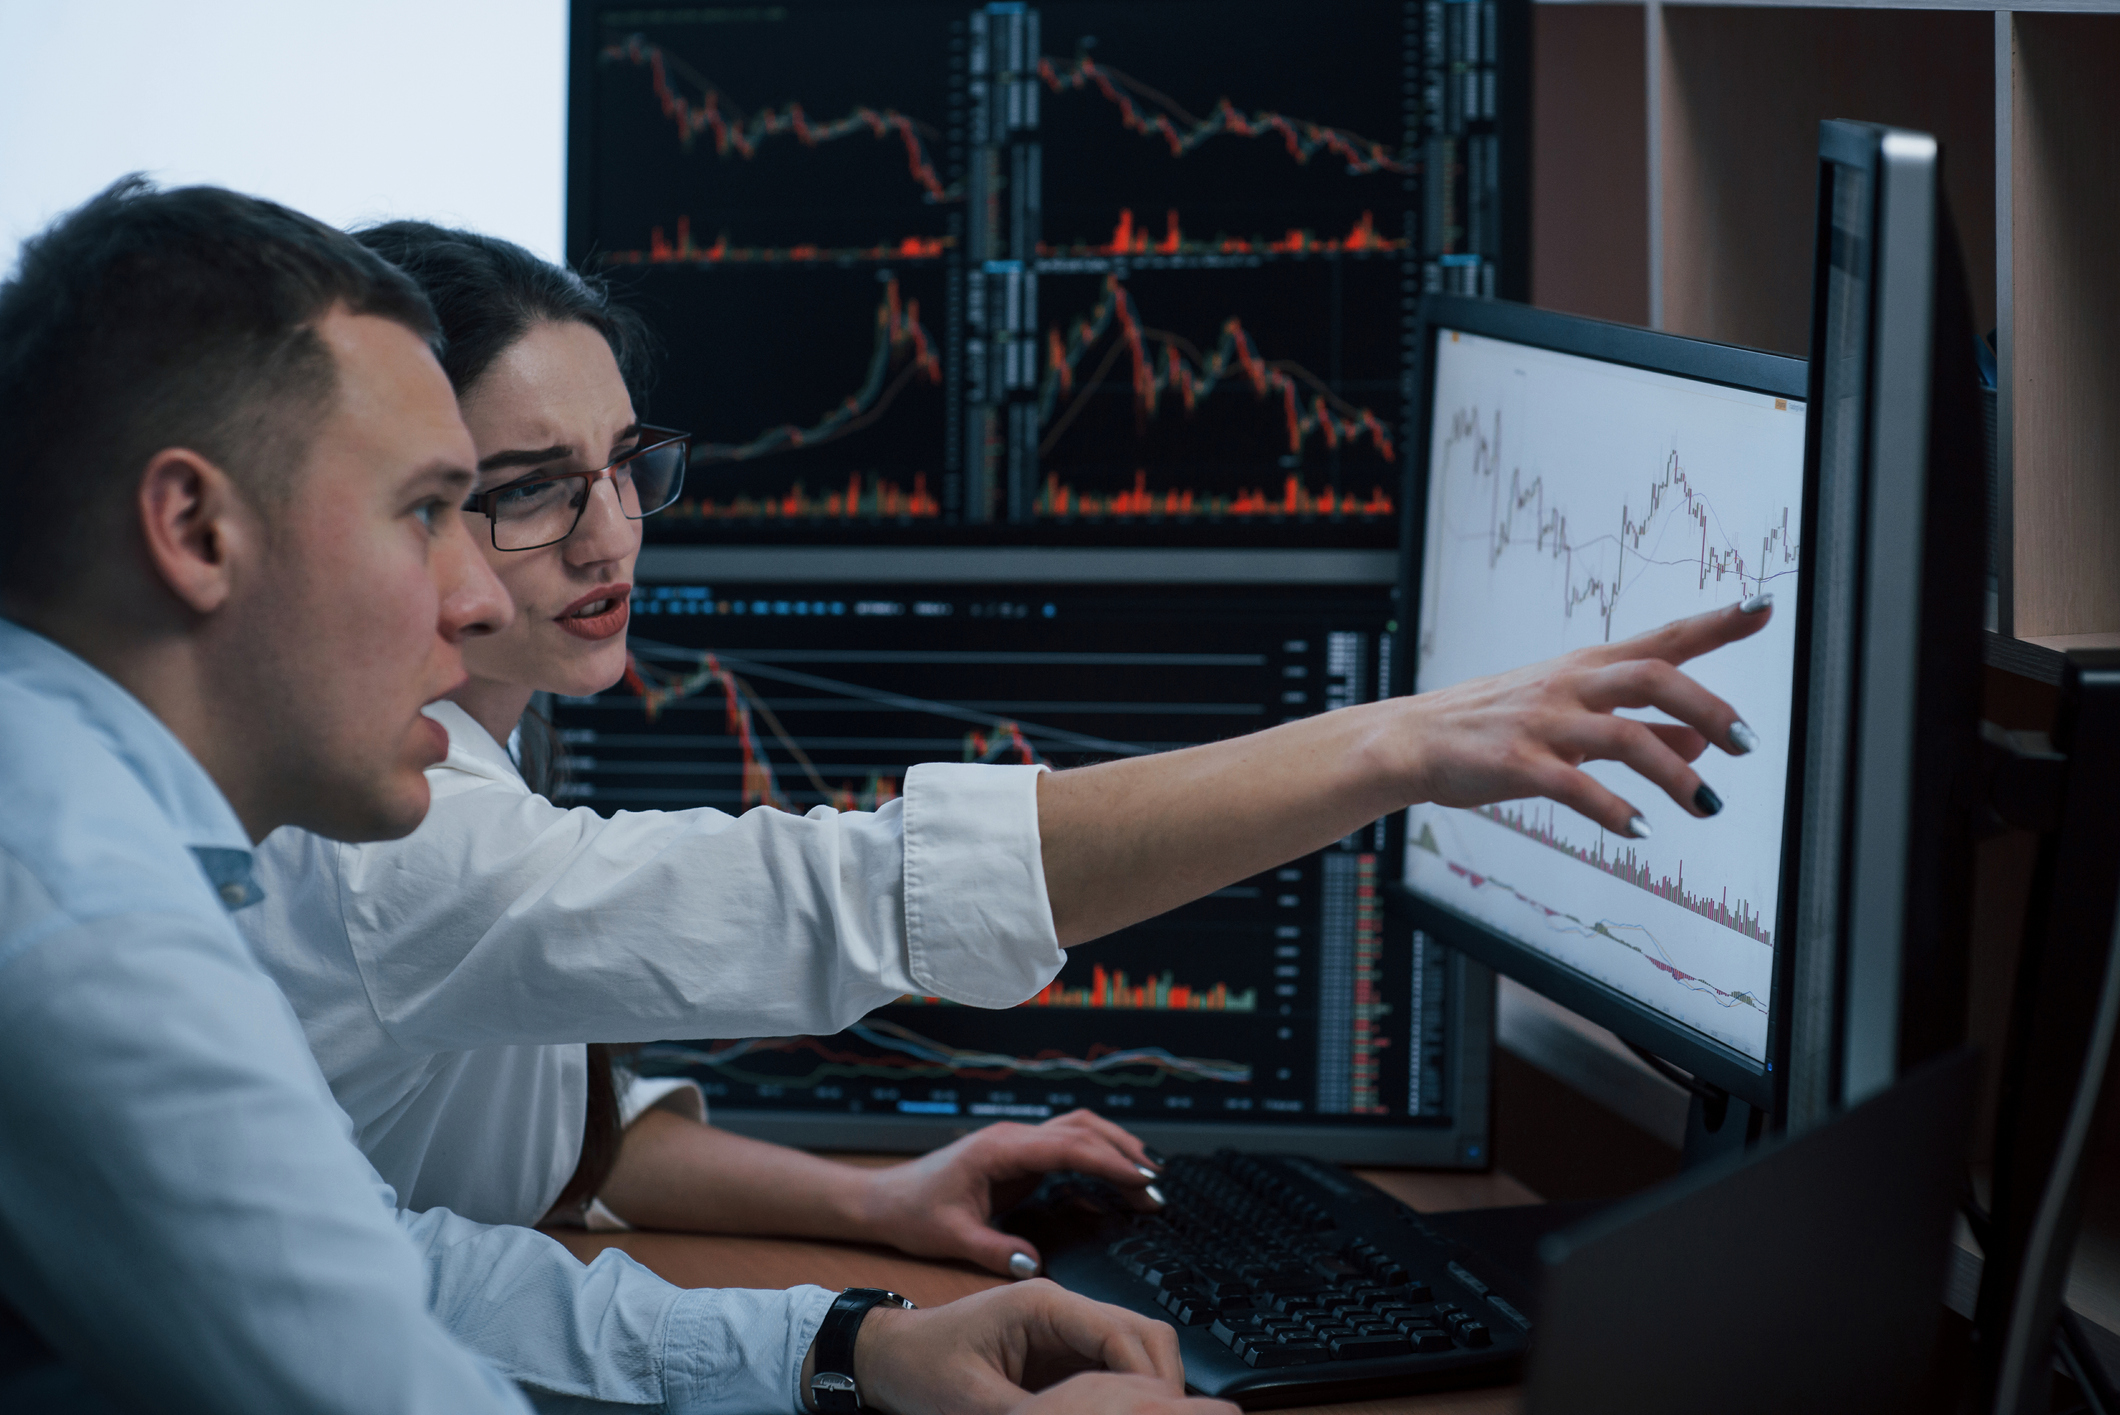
487	292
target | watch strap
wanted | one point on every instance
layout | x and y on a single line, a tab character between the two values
832	1382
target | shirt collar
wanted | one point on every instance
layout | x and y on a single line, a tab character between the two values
171	776
471	747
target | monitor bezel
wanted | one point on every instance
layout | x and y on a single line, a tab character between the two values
1757	1083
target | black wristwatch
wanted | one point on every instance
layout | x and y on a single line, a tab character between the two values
832	1382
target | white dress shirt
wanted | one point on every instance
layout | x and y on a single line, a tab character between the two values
447	981
185	1223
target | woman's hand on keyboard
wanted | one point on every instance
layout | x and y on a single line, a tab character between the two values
942	1204
990	1352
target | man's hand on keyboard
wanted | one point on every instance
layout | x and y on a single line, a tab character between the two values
985	1354
940	1205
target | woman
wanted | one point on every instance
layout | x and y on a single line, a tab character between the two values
455	1043
448	981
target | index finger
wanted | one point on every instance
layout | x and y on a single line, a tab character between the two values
1682	639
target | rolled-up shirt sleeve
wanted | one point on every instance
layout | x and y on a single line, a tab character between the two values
506	919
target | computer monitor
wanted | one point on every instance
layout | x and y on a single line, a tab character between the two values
1274	1014
1577	483
1074	272
1892	772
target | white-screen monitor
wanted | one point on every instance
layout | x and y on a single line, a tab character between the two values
1570	501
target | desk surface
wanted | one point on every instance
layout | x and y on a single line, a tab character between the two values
701	1260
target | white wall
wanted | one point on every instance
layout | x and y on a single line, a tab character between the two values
451	110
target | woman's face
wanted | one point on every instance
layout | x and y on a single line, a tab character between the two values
554	402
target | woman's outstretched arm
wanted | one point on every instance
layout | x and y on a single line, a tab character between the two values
1124	841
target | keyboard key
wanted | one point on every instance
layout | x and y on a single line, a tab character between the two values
1426	1342
1193	1312
1226	1329
1474	1334
1354	1348
1286	1354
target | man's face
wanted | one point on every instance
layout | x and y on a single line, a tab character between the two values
366	586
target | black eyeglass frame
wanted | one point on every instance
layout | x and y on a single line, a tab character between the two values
483	502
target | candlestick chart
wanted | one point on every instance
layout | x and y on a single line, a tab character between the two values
1573	503
874	697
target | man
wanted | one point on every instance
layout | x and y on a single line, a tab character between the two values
232	571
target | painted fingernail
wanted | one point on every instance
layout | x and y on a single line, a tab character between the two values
1756	603
1705	800
1155	1195
1022	1265
1155	1156
1743	738
1638	828
1144	1171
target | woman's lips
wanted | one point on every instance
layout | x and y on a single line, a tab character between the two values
600	625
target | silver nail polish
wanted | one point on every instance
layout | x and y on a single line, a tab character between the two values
1144	1171
1743	738
1639	828
1155	1195
1755	603
1022	1265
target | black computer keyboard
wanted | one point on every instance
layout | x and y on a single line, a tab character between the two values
1290	1281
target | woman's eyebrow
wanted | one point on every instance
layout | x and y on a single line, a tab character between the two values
525	457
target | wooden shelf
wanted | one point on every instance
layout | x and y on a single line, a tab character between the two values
1674	174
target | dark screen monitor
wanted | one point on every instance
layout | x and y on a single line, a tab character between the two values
1577	483
1074	273
1274	1014
1891	776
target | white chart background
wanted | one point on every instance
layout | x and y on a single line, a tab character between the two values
1527	439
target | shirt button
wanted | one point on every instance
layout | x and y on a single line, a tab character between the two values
233	894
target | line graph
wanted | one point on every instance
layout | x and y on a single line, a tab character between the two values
1638	938
1152	114
744	135
659	687
900	1053
900	337
1308	406
1672	488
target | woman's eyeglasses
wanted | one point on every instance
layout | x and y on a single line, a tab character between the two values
541	511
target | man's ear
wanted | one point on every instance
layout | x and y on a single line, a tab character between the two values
194	522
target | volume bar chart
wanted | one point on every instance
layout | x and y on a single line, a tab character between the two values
1536	821
1114	991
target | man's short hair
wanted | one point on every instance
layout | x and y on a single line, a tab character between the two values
149	319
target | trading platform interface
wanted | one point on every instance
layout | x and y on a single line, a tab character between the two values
1573	502
1276	1000
1068	272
